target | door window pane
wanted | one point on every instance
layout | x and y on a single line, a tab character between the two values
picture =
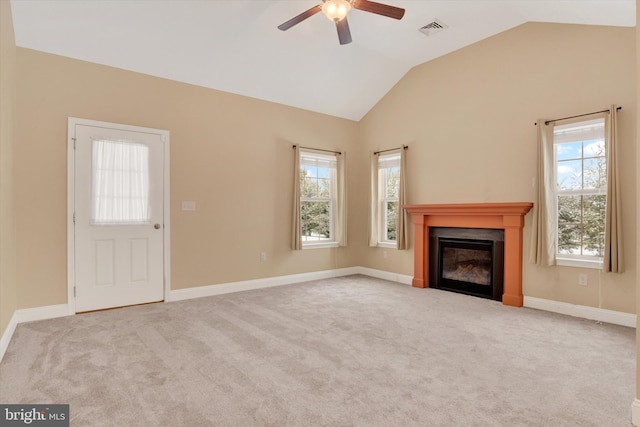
120	187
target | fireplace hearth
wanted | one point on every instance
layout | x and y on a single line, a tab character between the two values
467	260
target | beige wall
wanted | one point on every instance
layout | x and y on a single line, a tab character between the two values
468	118
230	154
8	293
636	411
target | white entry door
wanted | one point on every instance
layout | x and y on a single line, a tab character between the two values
118	215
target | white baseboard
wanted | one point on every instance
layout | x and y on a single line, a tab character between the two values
30	315
247	285
8	333
42	313
592	313
386	275
635	412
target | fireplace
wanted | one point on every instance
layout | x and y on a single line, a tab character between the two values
467	260
508	217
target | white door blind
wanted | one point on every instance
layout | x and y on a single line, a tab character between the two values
120	188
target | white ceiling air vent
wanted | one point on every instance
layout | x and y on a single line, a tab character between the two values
433	27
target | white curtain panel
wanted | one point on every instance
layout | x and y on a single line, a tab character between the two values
341	201
402	233
120	187
543	232
373	201
296	228
613	251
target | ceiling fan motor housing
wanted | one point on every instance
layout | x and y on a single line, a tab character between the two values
336	10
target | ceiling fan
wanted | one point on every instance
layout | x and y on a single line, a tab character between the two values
336	11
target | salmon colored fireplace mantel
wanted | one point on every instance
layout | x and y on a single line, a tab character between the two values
506	216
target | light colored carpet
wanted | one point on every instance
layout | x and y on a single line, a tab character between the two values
347	351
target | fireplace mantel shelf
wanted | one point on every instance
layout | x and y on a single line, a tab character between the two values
471	209
506	216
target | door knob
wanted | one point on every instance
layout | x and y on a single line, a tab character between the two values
156	226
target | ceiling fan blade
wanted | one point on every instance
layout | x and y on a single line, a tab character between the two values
344	33
379	8
298	19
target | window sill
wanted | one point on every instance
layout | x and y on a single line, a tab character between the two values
320	245
390	245
580	263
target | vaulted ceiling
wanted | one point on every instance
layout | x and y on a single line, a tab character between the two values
235	45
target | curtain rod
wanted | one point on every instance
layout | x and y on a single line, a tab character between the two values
318	149
404	147
579	115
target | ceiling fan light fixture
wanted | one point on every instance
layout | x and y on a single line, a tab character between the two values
336	10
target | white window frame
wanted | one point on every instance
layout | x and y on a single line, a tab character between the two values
569	260
306	159
386	162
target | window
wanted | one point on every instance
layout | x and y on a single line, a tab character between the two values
578	217
317	199
389	191
120	187
581	190
387	225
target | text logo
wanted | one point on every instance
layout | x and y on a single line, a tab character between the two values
34	415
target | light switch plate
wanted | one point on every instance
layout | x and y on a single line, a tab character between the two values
188	206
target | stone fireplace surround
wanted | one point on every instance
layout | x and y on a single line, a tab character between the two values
506	216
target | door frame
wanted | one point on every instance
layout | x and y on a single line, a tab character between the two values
166	205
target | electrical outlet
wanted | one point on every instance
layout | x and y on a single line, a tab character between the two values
583	279
263	256
385	254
